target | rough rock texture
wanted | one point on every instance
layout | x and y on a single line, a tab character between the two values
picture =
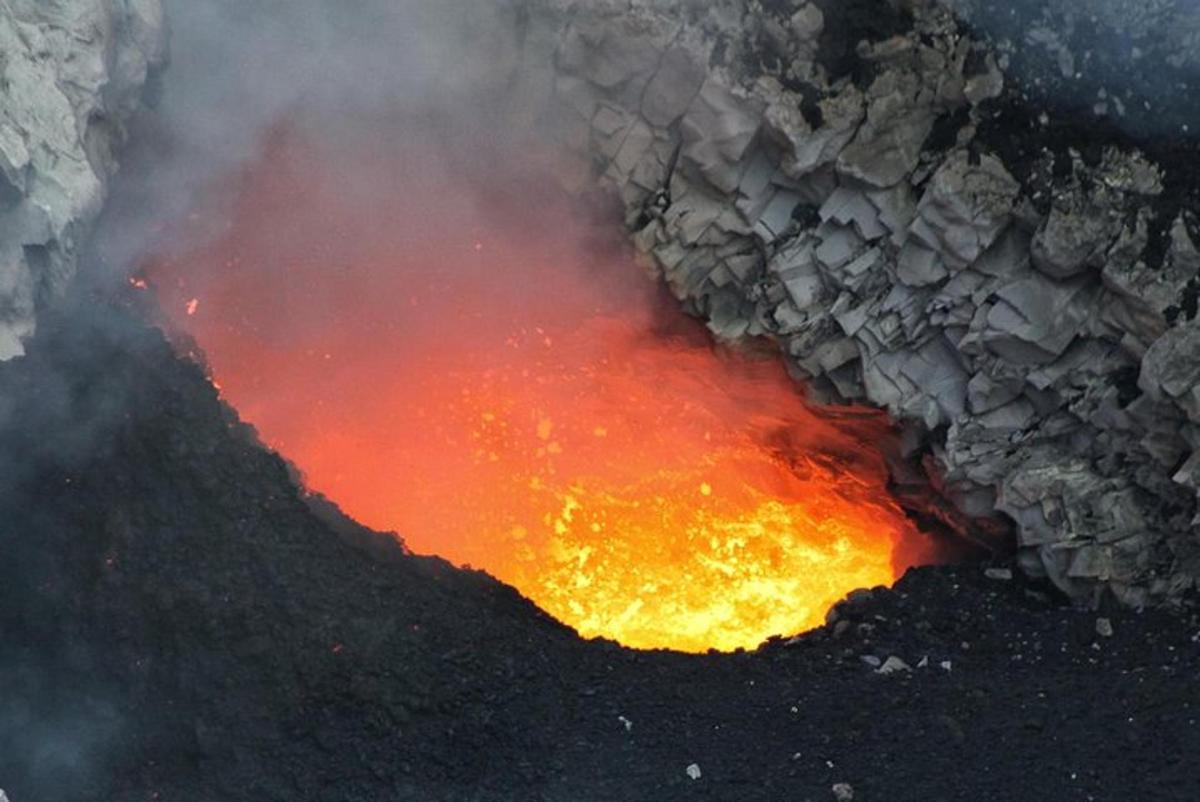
71	73
840	177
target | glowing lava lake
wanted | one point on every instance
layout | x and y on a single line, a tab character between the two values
496	379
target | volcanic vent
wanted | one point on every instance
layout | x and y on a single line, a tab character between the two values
472	363
944	210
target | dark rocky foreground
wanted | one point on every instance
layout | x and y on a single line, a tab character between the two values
176	623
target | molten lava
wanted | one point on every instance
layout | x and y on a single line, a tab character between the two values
483	373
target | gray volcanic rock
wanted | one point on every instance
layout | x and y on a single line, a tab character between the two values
856	215
71	74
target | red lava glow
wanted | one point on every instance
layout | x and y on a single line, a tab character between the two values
483	373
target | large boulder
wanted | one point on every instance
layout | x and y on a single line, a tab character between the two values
71	76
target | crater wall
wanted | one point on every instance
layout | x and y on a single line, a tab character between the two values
1014	282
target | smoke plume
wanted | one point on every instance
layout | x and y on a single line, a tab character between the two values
341	70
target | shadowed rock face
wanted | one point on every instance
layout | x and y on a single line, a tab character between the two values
71	74
1013	275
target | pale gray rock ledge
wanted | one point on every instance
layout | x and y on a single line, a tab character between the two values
1017	328
71	75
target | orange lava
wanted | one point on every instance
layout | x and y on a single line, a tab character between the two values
490	377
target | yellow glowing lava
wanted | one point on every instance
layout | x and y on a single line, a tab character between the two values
649	569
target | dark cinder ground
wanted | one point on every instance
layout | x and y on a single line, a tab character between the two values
176	623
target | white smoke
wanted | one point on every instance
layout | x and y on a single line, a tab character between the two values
239	68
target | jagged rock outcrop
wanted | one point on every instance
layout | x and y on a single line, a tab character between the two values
71	74
837	176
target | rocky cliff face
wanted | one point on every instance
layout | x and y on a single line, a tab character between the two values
71	74
1014	279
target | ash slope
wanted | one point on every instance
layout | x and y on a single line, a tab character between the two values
171	604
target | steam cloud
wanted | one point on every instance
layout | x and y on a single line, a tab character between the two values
238	69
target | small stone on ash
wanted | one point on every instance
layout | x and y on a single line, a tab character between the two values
893	665
1001	574
843	792
1104	628
693	771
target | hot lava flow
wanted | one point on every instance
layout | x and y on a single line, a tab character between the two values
501	384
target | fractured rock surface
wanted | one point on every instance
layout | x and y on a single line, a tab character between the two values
71	74
838	185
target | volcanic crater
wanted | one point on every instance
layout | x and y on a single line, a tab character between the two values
569	401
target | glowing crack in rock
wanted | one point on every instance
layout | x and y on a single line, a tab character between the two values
485	374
